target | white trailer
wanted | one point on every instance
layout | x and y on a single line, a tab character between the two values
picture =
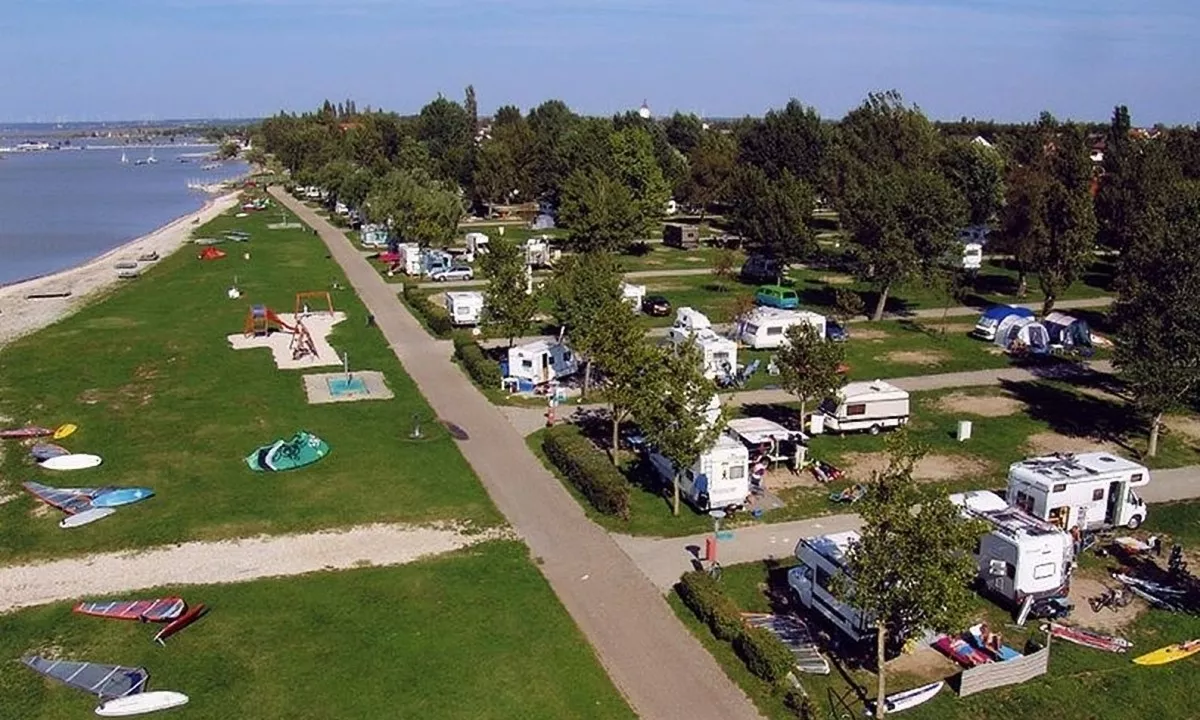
822	559
720	479
410	258
719	353
765	328
1084	490
1022	555
464	307
870	406
477	244
541	361
633	294
539	253
769	440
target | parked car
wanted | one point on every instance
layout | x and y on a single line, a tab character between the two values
760	268
777	296
656	305
454	272
836	332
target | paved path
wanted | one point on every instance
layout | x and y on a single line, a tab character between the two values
652	658
634	275
206	563
665	559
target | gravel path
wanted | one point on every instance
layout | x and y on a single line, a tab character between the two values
227	561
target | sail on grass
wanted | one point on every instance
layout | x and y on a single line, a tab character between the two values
104	681
69	500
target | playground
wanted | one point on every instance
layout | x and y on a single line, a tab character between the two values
298	339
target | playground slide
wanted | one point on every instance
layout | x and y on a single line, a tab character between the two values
272	317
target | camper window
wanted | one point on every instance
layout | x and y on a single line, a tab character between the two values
1061	487
823	578
566	356
776	330
856	409
1135	478
751	329
737	472
1025	502
1097	494
1010	570
1043	571
527	364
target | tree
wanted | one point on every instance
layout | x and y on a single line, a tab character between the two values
723	264
977	172
1067	248
710	167
495	175
809	365
792	140
585	288
637	168
445	129
909	567
418	208
1157	312
471	107
773	214
684	132
507	304
847	304
623	353
550	123
673	408
598	212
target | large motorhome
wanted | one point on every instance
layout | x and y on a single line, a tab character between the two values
720	479
719	354
1084	490
1021	556
823	558
870	406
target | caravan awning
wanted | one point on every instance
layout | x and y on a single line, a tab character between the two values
756	430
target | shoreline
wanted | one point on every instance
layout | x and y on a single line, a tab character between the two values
20	315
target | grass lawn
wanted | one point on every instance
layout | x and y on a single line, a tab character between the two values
155	389
473	634
1082	683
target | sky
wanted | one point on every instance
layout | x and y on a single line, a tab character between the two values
75	60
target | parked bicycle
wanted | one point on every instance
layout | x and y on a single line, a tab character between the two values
1114	599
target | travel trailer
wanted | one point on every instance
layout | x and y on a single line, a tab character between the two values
541	362
823	558
765	328
410	258
720	479
972	256
1084	490
477	244
633	294
464	307
1021	556
374	236
539	253
719	353
770	441
991	318
870	406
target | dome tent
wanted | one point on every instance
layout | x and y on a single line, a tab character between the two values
1024	333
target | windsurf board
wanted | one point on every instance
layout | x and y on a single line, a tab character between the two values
63	431
85	517
1169	654
121	496
141	703
75	461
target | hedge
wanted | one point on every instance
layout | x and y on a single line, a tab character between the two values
588	469
482	369
765	654
437	322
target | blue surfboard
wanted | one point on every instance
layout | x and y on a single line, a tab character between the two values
121	496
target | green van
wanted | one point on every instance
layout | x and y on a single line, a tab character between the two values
777	296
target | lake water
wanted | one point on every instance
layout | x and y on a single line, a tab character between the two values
60	208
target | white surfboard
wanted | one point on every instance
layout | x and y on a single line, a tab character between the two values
141	703
75	461
85	517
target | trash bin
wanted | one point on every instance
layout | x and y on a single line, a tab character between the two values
816	423
964	430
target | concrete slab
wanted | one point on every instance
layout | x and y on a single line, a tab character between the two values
319	326
374	386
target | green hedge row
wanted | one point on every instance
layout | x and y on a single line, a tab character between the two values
478	365
588	469
437	322
765	654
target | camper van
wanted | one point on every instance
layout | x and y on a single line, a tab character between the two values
870	406
1084	490
720	479
477	244
765	328
1021	556
410	258
633	294
972	256
719	353
464	308
822	558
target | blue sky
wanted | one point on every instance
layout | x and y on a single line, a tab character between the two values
1004	59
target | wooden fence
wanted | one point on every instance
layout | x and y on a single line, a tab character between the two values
999	674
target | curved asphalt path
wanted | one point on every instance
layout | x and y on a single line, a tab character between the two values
662	670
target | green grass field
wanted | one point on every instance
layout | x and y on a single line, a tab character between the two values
155	389
1082	683
474	634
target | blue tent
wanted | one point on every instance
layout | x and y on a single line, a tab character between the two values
993	316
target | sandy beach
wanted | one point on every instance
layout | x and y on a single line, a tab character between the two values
20	315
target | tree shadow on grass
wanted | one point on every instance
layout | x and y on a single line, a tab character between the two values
1077	415
785	416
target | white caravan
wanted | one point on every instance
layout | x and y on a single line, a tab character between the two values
765	328
410	258
541	361
719	353
720	479
972	256
870	406
464	307
477	244
823	558
633	294
766	438
1021	556
539	253
1085	490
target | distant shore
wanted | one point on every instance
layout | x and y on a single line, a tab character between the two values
21	315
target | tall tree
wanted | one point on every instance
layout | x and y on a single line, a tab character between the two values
1157	313
471	106
908	569
599	212
792	140
507	302
635	165
583	290
418	208
1070	237
810	366
773	214
550	123
672	409
623	353
684	132
445	129
977	172
711	165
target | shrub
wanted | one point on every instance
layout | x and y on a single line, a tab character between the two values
482	369
437	322
704	596
765	655
588	469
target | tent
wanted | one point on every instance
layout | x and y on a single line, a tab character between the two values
1067	330
993	316
1022	333
211	253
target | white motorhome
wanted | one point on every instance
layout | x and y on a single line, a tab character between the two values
870	406
972	256
410	258
477	244
539	253
765	328
719	353
1084	490
720	479
823	558
767	438
541	361
464	307
1021	556
633	294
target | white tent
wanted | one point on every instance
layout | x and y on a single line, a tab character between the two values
1023	332
1067	330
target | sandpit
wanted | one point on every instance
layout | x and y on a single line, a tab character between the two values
1108	619
319	326
862	466
917	357
980	405
336	387
1046	443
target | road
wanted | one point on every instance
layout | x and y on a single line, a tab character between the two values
665	559
662	670
634	275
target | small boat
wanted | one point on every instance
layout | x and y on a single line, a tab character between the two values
22	433
148	257
908	699
125	265
124	158
65	430
104	681
156	610
141	703
1170	653
48	295
1087	638
128	274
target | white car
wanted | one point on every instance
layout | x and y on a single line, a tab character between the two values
457	272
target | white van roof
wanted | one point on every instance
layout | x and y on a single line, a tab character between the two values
763	314
465	296
863	390
832	547
757	430
1071	468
